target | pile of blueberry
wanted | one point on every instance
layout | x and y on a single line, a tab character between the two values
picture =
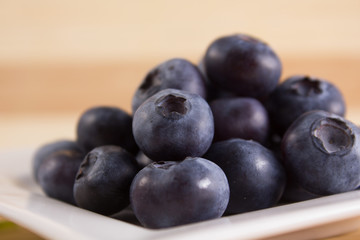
219	138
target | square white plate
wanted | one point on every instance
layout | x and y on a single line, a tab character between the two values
23	202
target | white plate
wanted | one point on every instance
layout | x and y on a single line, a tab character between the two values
23	202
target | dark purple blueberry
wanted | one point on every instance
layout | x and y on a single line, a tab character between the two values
256	178
175	73
244	118
167	194
321	151
99	126
103	181
213	92
294	193
172	125
142	159
243	65
300	94
56	173
47	149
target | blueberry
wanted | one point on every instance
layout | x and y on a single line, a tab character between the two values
300	94
212	91
172	125
321	151
166	194
294	193
243	65
215	93
56	173
105	125
175	73
244	118
47	149
256	178
103	181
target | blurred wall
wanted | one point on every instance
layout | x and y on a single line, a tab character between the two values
66	55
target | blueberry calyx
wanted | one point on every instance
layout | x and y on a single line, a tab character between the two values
80	174
172	107
332	136
149	80
90	159
307	86
164	164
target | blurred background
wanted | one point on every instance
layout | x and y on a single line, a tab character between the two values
58	58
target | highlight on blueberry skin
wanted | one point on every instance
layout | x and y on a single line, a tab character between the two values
256	178
176	73
172	193
299	94
47	149
103	180
142	160
172	125
105	125
56	173
240	117
243	65
321	150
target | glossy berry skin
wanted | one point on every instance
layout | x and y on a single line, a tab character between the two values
243	65
172	125
167	194
321	151
300	94
56	174
47	149
255	176
175	73
105	125
103	181
244	118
